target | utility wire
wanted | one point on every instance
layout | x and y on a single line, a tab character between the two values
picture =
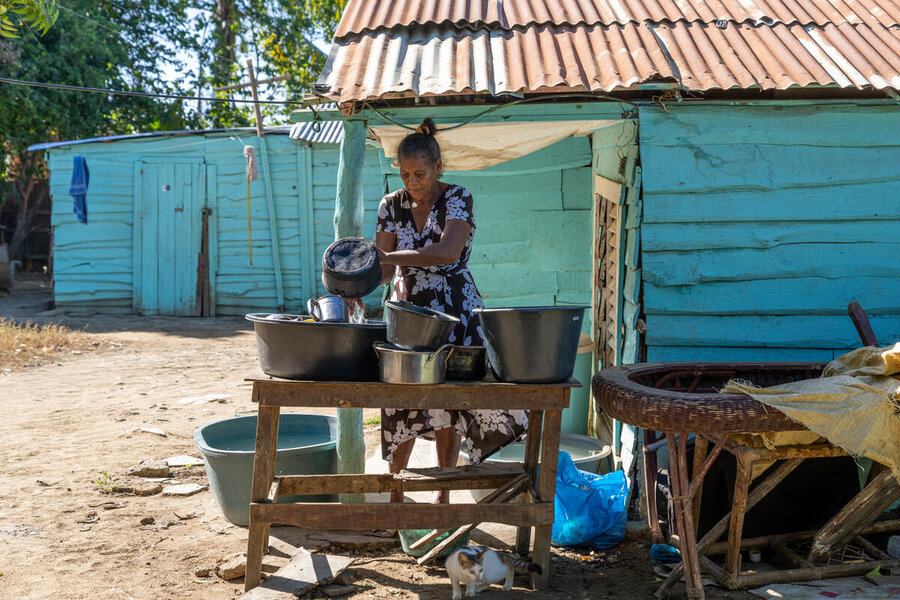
75	88
89	20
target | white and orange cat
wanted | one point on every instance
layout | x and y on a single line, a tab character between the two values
477	567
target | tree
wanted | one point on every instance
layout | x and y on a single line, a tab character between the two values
277	34
102	45
16	15
135	45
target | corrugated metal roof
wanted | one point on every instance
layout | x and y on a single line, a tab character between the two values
604	58
373	15
388	48
330	132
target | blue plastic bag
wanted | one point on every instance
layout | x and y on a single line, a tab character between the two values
589	509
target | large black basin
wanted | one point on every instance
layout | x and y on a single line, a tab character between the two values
532	344
318	351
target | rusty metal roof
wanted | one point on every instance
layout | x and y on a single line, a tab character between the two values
388	48
372	15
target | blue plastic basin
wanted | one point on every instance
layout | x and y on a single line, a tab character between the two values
306	446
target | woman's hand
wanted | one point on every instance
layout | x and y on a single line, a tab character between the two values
385	243
445	252
383	256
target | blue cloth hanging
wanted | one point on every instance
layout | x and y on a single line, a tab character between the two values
79	186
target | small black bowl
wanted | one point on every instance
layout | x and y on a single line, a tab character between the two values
351	268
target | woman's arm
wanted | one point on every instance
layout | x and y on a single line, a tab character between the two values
445	252
386	242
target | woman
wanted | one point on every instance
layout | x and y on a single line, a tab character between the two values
424	236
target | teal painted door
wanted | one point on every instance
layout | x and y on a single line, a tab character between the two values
168	231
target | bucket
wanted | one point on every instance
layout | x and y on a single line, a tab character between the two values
306	446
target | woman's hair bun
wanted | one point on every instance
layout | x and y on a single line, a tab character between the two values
427	127
421	143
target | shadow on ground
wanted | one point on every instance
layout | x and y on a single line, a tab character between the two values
31	300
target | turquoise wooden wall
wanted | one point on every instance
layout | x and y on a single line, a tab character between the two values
533	226
93	263
533	238
760	225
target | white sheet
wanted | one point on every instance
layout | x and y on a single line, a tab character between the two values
481	145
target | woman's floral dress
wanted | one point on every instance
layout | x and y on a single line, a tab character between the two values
449	289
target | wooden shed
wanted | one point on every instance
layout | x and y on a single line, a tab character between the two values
744	161
154	198
744	165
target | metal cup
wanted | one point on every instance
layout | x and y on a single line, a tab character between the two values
329	309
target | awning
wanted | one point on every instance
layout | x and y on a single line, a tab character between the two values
481	145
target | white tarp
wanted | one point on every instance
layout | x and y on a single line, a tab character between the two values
481	145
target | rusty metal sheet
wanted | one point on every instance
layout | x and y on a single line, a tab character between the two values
362	16
425	61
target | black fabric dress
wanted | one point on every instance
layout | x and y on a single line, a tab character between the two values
449	289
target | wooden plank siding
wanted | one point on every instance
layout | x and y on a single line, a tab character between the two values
93	263
533	226
760	225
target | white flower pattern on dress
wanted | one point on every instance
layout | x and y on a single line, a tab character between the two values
450	289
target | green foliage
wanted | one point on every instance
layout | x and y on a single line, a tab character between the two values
138	45
16	15
277	35
101	45
104	482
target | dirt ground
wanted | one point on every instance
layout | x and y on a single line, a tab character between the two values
67	423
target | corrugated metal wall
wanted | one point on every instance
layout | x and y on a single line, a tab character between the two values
760	225
93	262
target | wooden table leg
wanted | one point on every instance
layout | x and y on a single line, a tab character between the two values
701	448
759	492
683	515
532	452
546	492
650	474
738	511
263	476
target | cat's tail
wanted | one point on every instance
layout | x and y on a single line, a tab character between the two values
526	566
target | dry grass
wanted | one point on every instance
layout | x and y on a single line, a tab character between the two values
31	344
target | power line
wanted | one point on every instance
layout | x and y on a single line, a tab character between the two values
89	20
75	88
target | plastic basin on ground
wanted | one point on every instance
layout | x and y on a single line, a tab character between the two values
588	454
410	536
306	446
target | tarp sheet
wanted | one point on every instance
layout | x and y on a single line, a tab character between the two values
854	405
480	145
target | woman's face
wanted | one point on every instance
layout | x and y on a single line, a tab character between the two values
419	176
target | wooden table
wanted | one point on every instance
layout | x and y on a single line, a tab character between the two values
545	403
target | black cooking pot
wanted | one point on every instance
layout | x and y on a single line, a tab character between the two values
351	268
298	349
532	344
467	363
